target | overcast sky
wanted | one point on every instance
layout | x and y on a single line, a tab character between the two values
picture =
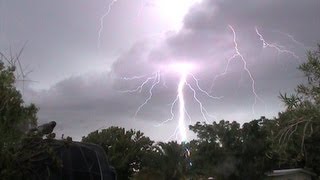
80	78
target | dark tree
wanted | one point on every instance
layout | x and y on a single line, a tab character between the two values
125	149
15	116
300	122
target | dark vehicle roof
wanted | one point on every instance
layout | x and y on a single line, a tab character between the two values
79	161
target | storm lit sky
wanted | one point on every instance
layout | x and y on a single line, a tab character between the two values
88	58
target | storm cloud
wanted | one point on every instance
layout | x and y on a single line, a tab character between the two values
85	98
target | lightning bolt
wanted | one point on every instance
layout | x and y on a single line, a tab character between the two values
107	12
139	88
237	54
245	67
155	82
291	37
188	81
155	79
221	74
181	125
102	21
151	82
277	47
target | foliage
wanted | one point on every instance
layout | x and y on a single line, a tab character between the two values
226	151
168	159
15	117
213	152
125	149
300	122
256	147
31	158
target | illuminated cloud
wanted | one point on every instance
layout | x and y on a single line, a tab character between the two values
63	47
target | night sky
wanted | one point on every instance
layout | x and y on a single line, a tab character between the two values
86	56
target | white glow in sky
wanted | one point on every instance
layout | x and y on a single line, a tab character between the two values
174	10
181	123
182	68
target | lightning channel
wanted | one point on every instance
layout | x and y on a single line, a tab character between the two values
181	122
171	112
182	114
294	40
223	73
102	21
139	88
277	47
203	110
156	81
245	67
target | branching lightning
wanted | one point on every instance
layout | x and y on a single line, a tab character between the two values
183	82
184	71
275	46
139	88
221	74
237	54
203	110
188	84
245	67
155	82
292	38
